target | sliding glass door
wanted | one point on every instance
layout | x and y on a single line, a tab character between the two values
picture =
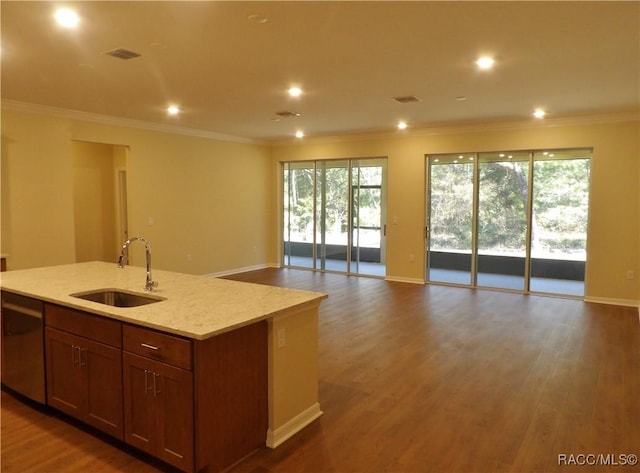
368	217
503	185
559	221
298	184
334	213
509	220
450	220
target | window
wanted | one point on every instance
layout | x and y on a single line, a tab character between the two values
509	220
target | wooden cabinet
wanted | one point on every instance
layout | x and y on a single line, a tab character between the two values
158	396
84	375
199	405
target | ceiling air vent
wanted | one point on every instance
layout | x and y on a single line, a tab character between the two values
406	99
287	114
122	53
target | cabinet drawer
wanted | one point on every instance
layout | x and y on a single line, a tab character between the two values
94	327
158	346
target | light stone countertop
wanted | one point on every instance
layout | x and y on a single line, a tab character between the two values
197	307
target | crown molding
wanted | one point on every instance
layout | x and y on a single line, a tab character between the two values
26	107
432	130
472	127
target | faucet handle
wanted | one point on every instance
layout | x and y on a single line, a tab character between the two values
150	285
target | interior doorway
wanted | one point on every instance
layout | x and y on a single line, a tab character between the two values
100	200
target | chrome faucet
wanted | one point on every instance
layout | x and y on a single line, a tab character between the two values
124	258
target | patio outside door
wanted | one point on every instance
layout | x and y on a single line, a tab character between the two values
509	220
334	213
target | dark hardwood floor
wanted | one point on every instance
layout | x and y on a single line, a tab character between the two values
423	379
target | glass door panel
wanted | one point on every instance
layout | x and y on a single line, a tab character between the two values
332	215
298	194
559	221
450	219
367	248
503	190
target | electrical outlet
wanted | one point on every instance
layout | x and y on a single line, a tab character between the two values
282	338
412	258
631	274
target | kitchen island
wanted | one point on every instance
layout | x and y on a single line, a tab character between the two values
234	363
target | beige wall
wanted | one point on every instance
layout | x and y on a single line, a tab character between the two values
206	198
218	201
613	233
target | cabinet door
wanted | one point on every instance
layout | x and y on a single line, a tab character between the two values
139	408
64	376
158	410
175	426
102	370
84	380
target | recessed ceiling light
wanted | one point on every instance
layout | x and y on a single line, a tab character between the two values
406	99
295	91
485	62
173	110
539	113
67	17
299	134
402	125
287	114
256	18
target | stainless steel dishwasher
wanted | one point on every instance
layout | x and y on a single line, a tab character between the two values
23	345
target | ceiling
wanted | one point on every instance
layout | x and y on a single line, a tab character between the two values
229	73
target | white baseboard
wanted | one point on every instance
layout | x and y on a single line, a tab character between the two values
292	427
401	279
246	269
606	300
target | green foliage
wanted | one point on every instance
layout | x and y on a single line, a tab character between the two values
560	205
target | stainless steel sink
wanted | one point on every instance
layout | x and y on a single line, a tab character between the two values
117	297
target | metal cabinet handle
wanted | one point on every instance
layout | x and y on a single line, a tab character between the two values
156	387
75	359
150	347
82	359
147	385
154	384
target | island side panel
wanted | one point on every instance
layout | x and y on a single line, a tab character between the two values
293	372
231	411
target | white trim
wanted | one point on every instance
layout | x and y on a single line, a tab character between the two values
245	269
118	121
281	434
606	300
473	127
401	279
